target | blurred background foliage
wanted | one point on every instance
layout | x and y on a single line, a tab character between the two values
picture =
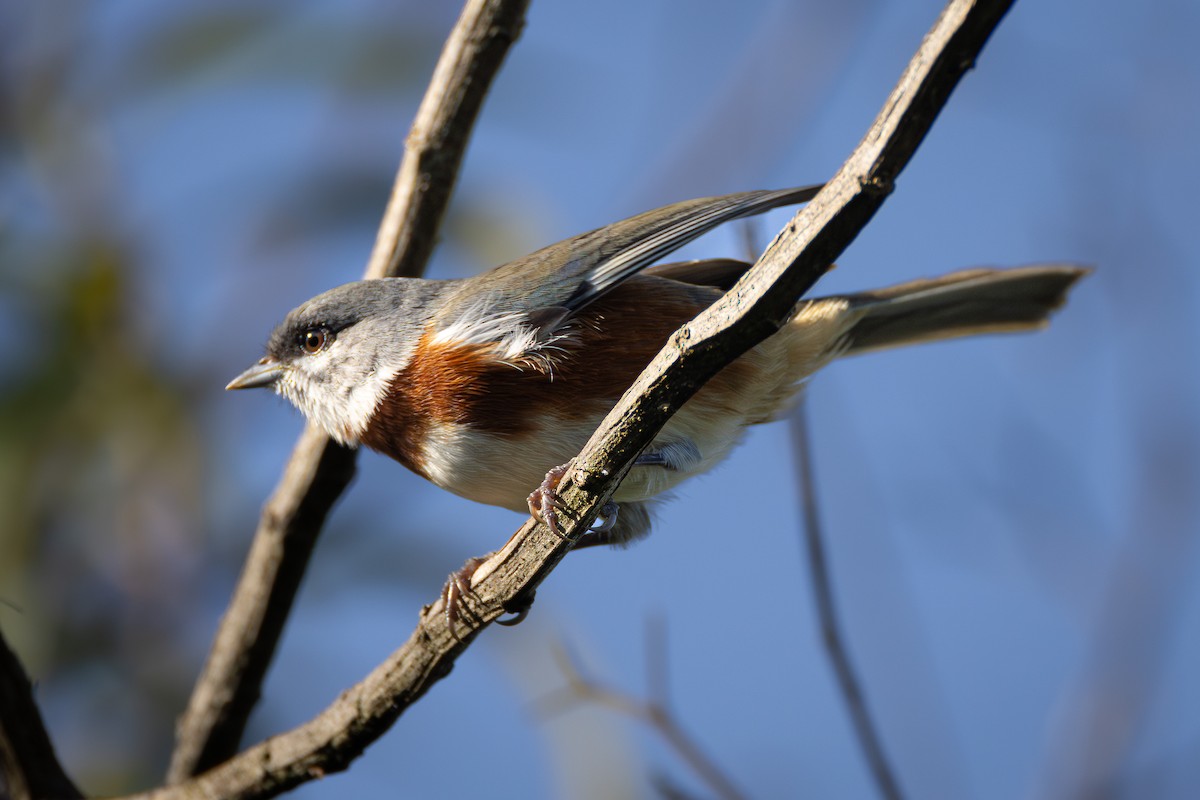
1012	521
107	556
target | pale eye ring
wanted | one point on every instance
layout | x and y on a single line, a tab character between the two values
314	340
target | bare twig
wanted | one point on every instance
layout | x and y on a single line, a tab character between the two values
658	673
831	634
27	758
319	470
752	310
819	573
653	711
762	300
1137	612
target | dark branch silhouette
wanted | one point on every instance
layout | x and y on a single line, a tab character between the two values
319	470
752	310
31	769
756	307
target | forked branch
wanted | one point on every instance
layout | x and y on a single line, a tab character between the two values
750	312
319	470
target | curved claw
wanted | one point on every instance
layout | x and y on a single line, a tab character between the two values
544	502
606	520
519	608
458	586
516	619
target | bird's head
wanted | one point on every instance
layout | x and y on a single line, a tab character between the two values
334	356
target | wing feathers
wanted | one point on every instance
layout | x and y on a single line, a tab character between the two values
525	304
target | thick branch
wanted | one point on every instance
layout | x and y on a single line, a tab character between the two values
319	470
27	757
435	146
751	311
229	687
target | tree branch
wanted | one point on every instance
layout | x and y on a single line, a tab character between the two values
27	758
869	739
655	711
757	306
434	149
760	303
319	470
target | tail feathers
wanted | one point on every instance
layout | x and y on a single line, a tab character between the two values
959	304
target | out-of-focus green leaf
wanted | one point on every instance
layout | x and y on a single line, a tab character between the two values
190	44
90	423
267	46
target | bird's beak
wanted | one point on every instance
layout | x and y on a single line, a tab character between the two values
264	373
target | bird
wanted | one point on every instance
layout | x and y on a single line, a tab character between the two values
487	386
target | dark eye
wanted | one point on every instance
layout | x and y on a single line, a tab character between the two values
315	340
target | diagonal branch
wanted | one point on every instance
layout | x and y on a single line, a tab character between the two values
750	312
28	764
763	299
319	470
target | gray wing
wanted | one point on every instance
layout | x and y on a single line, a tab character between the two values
557	281
718	273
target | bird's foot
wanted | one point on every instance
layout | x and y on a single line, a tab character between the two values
458	586
544	502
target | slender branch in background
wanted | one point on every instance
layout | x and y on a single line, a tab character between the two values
653	711
658	674
752	309
763	299
831	633
30	768
820	575
319	470
1094	741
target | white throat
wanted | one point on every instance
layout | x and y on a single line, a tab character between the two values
341	408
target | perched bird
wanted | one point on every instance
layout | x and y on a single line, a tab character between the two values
483	385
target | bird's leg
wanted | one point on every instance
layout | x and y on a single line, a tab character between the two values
544	502
676	455
602	532
458	586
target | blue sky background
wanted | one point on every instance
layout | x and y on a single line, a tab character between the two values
1012	521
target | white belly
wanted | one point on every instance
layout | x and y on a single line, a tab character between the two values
494	469
502	470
